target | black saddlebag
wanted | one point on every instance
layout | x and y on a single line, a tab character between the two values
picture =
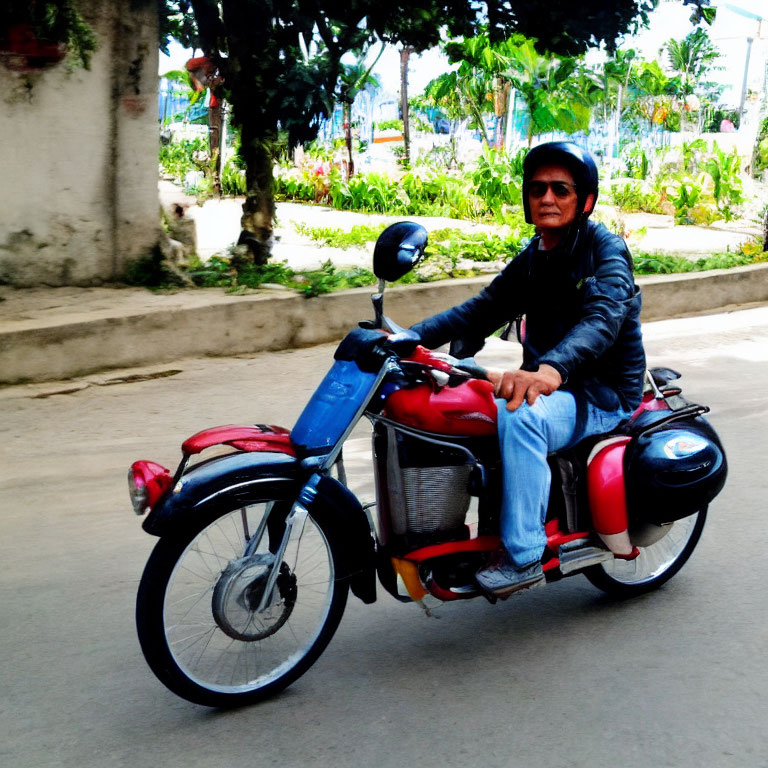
672	468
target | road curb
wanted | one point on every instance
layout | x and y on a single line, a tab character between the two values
217	324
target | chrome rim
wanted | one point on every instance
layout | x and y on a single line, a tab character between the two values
218	632
654	560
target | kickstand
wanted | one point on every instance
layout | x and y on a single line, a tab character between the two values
489	596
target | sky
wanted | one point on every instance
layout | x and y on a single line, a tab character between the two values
729	33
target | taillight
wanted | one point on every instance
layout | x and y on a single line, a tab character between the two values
147	482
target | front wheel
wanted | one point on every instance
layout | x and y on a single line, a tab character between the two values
210	626
656	563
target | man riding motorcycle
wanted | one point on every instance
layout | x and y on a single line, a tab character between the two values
583	357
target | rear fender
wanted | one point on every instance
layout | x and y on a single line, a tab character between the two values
606	486
238	476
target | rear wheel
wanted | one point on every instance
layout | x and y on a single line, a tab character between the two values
656	564
221	622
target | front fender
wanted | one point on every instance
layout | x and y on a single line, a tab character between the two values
333	502
236	476
240	477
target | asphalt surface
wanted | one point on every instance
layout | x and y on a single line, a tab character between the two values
561	676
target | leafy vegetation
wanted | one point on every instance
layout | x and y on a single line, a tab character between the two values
177	158
697	184
233	180
658	264
760	153
238	276
491	191
329	237
631	196
292	55
388	125
51	21
450	243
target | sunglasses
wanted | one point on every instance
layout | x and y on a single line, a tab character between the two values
560	189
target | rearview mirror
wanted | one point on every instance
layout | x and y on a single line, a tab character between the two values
398	250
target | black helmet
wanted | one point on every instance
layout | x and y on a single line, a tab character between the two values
577	160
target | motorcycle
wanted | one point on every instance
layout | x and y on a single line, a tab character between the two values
260	539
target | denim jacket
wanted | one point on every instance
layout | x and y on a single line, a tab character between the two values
582	316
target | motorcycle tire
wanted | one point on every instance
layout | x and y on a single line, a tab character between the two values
655	565
203	624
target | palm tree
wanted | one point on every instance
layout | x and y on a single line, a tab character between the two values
353	79
476	88
618	71
691	59
559	95
465	92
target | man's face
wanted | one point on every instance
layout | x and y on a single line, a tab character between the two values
552	197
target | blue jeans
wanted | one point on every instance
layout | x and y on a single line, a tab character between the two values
526	436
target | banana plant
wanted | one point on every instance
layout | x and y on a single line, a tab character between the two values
724	170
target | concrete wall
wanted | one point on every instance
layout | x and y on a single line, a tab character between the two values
134	327
79	183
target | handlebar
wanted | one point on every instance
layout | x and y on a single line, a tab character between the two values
369	349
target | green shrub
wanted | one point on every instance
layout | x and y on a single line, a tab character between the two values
294	185
176	158
150	271
656	263
230	272
724	170
329	278
455	244
330	237
636	161
388	125
233	180
630	197
498	178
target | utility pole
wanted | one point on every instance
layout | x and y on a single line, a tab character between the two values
744	83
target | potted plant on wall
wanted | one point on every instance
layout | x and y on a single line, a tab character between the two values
37	34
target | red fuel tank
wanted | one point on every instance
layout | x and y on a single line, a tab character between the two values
467	409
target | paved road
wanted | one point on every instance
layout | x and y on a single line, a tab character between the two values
561	676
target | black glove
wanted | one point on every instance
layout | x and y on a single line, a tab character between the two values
404	342
364	347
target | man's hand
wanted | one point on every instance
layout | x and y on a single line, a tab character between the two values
516	386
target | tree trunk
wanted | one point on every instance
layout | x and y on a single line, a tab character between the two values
404	56
214	141
500	106
257	221
765	231
347	119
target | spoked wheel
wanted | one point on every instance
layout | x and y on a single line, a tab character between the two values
656	564
229	613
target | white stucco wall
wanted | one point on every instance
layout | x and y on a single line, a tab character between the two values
78	188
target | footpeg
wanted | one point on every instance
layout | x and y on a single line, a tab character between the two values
579	554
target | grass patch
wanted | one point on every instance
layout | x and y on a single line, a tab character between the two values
447	257
450	243
239	277
359	235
